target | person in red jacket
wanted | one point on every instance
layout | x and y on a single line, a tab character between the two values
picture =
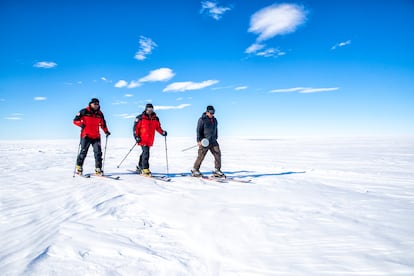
90	119
144	129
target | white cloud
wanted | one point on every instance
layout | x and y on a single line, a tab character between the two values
45	64
341	44
270	52
134	84
119	102
189	85
121	83
128	95
254	48
40	98
212	9
276	19
167	107
146	45
125	115
14	116
240	88
162	74
304	90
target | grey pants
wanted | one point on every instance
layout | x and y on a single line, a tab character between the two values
202	151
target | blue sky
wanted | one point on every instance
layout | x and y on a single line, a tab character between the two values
270	68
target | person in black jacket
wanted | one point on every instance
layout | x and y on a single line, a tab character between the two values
207	128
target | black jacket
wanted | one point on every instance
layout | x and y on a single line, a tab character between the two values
207	128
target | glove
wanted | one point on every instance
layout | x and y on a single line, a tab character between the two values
107	134
138	139
82	126
164	133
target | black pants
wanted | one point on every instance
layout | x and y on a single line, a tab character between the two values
202	151
97	149
144	157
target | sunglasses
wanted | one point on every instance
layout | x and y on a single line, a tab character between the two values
210	111
96	103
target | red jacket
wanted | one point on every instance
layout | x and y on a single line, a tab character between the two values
145	126
90	121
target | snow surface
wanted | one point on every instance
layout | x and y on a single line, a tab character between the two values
314	207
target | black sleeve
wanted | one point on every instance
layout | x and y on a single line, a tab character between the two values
200	130
137	119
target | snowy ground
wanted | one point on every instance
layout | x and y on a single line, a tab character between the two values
314	207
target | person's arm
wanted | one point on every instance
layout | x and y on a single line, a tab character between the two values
78	120
136	129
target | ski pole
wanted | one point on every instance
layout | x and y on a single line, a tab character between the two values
166	154
76	161
127	155
189	148
103	159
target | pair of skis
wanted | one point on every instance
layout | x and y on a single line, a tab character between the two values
168	179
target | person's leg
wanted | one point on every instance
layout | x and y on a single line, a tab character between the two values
144	158
215	150
202	151
85	143
97	149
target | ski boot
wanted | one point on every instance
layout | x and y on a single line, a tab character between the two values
98	171
218	173
196	173
138	170
146	172
79	170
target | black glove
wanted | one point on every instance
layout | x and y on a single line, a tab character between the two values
107	134
164	133
138	139
82	126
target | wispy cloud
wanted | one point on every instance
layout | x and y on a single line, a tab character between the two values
169	107
304	90
240	88
277	19
119	102
15	116
40	98
146	45
162	74
212	9
189	85
125	115
45	64
341	44
129	95
105	80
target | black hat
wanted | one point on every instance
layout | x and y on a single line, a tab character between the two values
210	109
94	100
149	105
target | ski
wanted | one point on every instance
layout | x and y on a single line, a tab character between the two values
156	177
82	175
238	179
103	176
204	177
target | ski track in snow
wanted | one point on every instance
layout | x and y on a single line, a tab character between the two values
314	207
